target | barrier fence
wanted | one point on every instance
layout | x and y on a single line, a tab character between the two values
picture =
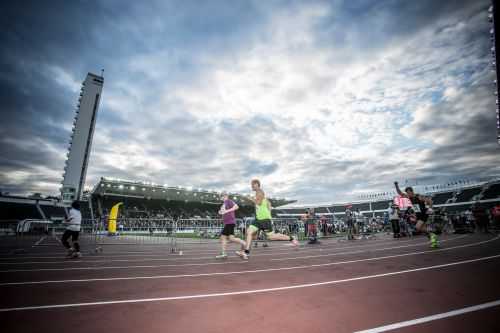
173	235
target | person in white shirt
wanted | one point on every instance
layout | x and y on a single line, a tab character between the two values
73	222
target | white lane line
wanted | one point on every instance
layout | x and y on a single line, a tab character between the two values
204	258
280	248
431	318
120	267
243	272
242	292
277	249
356	252
157	266
189	251
40	240
157	250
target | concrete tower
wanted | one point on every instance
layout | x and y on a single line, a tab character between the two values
75	169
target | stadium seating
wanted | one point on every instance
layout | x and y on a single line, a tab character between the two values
293	210
468	194
18	208
362	206
337	209
441	198
458	208
492	192
18	211
53	211
380	205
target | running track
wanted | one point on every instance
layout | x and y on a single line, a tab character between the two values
393	285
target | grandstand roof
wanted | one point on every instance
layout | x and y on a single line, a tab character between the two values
425	190
145	190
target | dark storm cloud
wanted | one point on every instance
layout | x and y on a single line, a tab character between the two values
81	36
372	25
35	107
468	148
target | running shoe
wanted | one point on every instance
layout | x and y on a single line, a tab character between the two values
434	241
76	255
221	256
70	253
242	255
295	242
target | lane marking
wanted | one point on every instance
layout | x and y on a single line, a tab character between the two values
188	250
280	248
40	241
204	258
431	318
151	277
155	266
374	250
246	292
119	267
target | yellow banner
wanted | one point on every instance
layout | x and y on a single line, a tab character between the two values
113	215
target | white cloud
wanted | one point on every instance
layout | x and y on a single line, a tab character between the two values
63	78
315	115
310	107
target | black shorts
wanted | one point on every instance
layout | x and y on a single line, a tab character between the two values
422	217
71	234
265	225
228	229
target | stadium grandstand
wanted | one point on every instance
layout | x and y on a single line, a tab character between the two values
20	208
452	198
143	199
139	199
149	200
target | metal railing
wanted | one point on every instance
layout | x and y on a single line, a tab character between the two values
173	235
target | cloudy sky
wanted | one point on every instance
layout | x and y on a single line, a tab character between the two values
322	100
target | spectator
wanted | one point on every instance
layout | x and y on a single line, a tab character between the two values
349	215
324	225
495	213
480	216
394	218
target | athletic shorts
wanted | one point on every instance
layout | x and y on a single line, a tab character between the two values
422	217
228	229
70	234
265	225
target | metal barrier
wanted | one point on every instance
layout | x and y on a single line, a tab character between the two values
135	231
173	235
169	233
199	229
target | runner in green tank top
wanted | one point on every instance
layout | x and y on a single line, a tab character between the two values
262	221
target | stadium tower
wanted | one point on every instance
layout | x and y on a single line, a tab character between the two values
494	18
75	169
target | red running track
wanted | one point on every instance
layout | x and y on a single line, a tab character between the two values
332	287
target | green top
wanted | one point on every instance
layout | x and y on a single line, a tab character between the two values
262	211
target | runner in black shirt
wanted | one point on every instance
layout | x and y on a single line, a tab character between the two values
421	212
